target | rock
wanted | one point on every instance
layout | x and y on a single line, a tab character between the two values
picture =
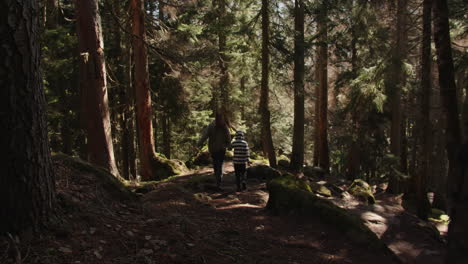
97	254
320	189
65	250
202	159
129	233
284	162
92	230
262	172
145	252
314	172
362	190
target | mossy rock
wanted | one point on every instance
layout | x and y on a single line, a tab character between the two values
165	168
438	215
197	182
313	172
283	162
288	195
362	190
112	184
229	155
262	172
320	189
203	158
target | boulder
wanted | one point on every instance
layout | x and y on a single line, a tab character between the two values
263	172
362	190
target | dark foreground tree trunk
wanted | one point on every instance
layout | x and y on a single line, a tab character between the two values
297	155
457	179
27	188
267	140
426	126
93	86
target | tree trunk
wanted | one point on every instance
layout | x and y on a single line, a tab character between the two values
123	107
222	55
297	155
130	122
93	86
267	140
457	182
323	155
27	184
166	135
395	86
423	205
142	92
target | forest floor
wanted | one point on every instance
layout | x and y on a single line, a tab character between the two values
182	223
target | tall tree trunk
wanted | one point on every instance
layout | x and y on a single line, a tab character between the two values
142	92
130	122
223	58
93	86
354	158
323	156
123	107
395	86
27	186
267	140
166	135
426	126
297	155
457	181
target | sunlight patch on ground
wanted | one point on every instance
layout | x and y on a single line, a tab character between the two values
236	206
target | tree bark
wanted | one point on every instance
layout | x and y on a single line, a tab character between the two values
395	86
323	155
297	155
94	86
423	205
27	184
267	140
223	58
142	94
457	180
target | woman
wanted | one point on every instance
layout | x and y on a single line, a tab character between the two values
219	139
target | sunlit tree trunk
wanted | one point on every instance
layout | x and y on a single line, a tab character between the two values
322	74
297	155
27	187
93	86
142	93
267	140
457	181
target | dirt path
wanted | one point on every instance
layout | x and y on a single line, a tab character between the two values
182	225
230	227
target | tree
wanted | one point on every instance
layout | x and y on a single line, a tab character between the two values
425	134
457	179
267	141
297	155
93	86
395	83
27	187
321	144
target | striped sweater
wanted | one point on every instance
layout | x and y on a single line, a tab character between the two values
241	151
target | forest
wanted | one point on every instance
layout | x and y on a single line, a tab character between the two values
127	126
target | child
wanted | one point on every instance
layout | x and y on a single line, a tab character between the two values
240	159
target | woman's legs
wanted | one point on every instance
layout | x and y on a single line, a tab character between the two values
218	161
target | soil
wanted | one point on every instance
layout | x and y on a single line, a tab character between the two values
173	224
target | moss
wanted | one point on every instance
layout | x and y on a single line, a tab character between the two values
114	185
288	195
320	189
362	190
165	168
196	182
439	216
283	161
